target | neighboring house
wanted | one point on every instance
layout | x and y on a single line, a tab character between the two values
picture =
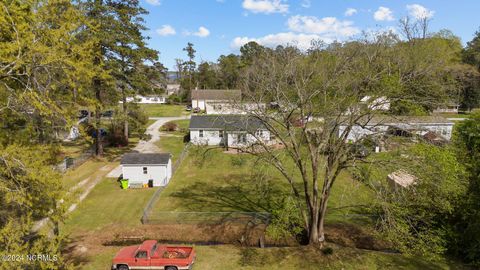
449	108
173	89
232	108
150	99
399	125
153	169
230	130
373	103
376	103
204	99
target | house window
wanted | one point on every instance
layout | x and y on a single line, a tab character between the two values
242	138
220	134
259	133
200	133
145	170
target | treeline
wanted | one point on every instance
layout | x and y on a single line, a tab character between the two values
460	64
58	57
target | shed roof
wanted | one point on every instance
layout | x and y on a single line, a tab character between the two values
145	158
402	178
226	122
217	94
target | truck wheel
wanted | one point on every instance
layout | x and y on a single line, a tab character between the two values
171	268
122	267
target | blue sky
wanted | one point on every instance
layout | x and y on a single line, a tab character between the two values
218	27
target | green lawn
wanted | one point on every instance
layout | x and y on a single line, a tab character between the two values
229	182
87	169
159	110
182	127
108	204
172	145
234	257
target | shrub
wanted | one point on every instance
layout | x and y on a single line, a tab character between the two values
170	126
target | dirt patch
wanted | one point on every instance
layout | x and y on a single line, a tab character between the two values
349	235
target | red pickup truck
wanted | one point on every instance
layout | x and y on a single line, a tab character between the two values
151	255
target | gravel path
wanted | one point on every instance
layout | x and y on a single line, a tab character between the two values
148	146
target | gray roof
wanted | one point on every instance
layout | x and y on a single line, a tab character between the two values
226	122
210	94
146	159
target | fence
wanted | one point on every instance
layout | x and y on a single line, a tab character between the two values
172	217
71	163
156	195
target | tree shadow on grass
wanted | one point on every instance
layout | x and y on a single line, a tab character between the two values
233	192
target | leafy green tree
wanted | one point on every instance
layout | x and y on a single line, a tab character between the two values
229	71
465	241
127	52
207	76
417	219
189	67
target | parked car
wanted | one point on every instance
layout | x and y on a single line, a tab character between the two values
108	113
188	108
196	110
151	255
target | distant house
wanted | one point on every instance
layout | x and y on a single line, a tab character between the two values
449	108
153	169
150	99
372	103
173	89
376	103
399	125
209	100
229	130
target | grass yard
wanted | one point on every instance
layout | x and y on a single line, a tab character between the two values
172	145
229	182
87	169
234	257
162	110
108	204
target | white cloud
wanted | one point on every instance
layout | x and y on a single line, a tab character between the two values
330	27
202	32
418	11
302	41
166	30
350	11
265	6
154	2
306	3
383	14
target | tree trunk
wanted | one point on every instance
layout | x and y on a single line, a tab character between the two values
321	219
98	112
125	115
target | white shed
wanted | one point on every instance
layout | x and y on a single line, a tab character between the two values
142	168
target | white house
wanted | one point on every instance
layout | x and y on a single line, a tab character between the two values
150	99
141	169
381	125
448	108
205	99
173	89
232	108
231	130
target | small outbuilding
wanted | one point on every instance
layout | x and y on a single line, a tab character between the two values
401	179
152	169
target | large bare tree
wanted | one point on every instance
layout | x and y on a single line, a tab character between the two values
317	98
